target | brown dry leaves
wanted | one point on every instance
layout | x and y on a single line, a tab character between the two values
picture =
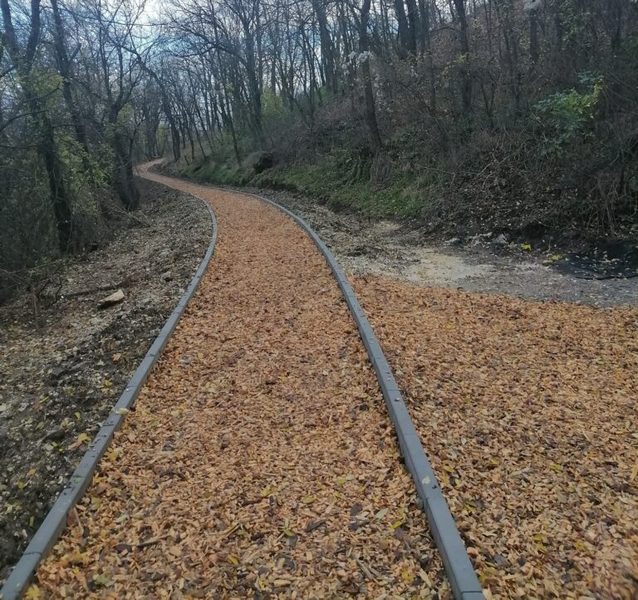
260	461
61	373
528	412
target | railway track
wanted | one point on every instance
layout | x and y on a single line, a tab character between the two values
259	459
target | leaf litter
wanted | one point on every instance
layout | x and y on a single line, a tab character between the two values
63	367
259	460
528	412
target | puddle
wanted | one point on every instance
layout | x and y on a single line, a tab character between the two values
605	260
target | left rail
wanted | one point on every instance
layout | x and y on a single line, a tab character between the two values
48	533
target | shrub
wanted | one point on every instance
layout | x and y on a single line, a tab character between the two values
565	117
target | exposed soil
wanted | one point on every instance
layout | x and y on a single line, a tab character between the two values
64	366
480	265
528	411
260	460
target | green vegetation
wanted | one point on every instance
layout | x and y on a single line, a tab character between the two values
567	116
331	180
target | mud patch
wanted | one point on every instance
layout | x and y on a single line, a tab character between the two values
604	260
364	247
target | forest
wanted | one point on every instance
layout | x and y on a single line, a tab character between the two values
210	209
500	116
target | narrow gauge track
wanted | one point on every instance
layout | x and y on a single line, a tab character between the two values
260	460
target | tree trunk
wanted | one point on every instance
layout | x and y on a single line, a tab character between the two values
327	49
464	43
413	25
254	88
533	38
22	60
402	22
123	179
366	76
64	68
59	196
427	49
466	83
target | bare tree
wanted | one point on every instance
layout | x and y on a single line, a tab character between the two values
23	59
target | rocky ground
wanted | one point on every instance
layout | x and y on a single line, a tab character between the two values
65	360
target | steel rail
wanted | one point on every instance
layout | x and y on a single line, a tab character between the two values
55	521
463	580
458	567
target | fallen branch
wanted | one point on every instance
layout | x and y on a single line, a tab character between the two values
152	541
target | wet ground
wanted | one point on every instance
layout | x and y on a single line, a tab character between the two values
604	259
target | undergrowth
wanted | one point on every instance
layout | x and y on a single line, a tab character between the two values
567	170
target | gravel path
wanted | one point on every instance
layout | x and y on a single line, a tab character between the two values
260	461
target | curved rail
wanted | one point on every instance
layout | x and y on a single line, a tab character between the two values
459	570
55	520
463	580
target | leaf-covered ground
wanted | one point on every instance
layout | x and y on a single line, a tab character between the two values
62	370
528	411
260	461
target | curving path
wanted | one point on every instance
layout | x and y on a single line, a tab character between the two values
260	459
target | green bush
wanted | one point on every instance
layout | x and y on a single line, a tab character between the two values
565	117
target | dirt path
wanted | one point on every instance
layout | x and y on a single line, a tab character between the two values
260	459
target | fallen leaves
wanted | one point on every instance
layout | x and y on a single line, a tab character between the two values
33	593
259	429
100	580
83	438
52	367
528	413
